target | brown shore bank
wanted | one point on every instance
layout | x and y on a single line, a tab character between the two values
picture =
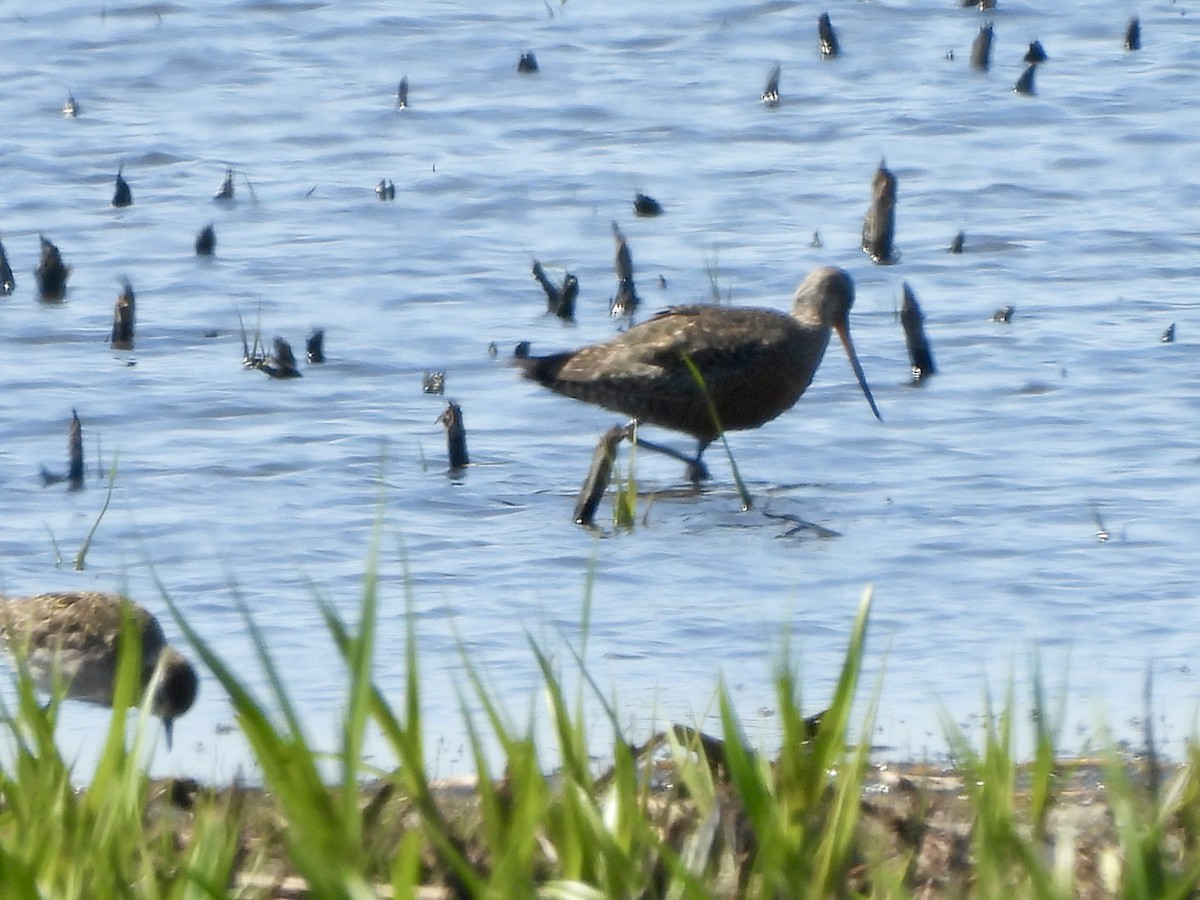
917	833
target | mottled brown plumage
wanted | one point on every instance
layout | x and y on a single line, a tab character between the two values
756	363
75	636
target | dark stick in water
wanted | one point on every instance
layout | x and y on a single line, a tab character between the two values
225	192
122	196
206	241
51	273
553	295
981	49
599	475
456	435
627	299
123	319
914	337
7	282
1133	34
646	206
879	226
770	94
75	453
1024	84
314	346
560	301
827	37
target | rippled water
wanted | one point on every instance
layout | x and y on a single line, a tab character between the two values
971	508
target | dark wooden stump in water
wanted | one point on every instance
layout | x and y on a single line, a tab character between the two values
52	273
599	475
124	314
627	299
827	37
74	476
770	93
1133	34
456	435
7	283
206	241
1024	84
646	206
560	301
225	192
919	356
122	195
75	453
879	226
314	346
981	49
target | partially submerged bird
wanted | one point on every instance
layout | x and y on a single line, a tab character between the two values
75	637
756	363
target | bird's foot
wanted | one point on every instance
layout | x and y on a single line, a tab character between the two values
697	471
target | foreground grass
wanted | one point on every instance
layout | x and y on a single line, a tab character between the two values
685	815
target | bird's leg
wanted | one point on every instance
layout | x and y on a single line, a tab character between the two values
696	470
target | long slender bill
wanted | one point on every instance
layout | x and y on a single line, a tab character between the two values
843	332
